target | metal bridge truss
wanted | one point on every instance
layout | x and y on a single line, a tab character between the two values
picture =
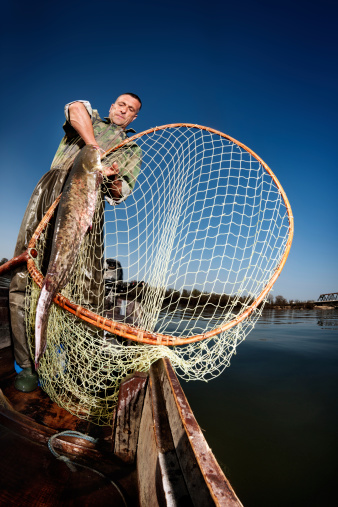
331	299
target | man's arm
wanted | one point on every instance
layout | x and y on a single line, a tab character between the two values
82	123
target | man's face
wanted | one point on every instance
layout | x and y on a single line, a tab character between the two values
124	111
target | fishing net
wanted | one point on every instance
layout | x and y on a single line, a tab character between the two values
180	269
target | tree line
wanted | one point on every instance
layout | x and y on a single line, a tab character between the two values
190	299
195	297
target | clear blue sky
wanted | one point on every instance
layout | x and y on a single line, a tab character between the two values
264	72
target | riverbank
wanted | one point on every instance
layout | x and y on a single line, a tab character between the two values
299	306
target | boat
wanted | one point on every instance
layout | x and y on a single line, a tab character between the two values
154	454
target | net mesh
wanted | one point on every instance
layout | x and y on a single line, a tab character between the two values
197	242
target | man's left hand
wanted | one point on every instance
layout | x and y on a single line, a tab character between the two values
110	171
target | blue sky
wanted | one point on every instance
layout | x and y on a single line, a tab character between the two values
263	72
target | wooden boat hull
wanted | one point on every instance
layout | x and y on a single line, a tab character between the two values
174	462
155	453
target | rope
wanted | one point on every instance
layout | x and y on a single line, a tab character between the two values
70	464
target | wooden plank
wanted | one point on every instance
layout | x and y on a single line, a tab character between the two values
160	480
39	433
205	480
7	370
28	421
5	330
147	459
31	476
22	424
128	416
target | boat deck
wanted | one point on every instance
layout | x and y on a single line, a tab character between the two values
31	475
153	455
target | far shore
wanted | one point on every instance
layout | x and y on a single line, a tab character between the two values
300	306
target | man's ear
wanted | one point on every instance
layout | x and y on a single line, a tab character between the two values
134	117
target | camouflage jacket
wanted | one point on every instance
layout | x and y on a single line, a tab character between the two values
107	135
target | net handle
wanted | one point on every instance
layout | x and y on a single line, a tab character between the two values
140	335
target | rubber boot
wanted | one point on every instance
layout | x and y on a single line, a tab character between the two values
26	381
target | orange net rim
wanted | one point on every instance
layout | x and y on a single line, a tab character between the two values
137	334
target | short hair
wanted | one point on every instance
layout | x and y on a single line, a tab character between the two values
134	97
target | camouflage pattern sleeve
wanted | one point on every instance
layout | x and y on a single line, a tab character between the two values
107	135
84	102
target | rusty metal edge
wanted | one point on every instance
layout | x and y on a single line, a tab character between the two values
219	486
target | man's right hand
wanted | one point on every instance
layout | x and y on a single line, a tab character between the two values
81	121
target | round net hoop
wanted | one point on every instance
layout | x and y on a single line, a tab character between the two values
141	335
201	241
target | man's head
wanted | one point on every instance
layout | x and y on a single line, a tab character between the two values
125	109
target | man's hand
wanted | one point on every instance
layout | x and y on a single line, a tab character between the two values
115	184
115	189
81	121
110	171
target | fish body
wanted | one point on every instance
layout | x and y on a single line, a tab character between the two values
74	218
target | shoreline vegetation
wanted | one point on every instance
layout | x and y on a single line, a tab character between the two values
195	298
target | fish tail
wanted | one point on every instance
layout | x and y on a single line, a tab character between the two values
41	321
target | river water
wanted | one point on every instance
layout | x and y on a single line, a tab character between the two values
271	418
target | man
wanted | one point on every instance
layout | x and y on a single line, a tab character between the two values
83	126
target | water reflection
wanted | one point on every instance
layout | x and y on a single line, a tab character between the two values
187	323
327	318
271	418
288	316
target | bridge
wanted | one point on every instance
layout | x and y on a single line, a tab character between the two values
328	299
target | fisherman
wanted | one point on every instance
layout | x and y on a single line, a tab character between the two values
83	126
